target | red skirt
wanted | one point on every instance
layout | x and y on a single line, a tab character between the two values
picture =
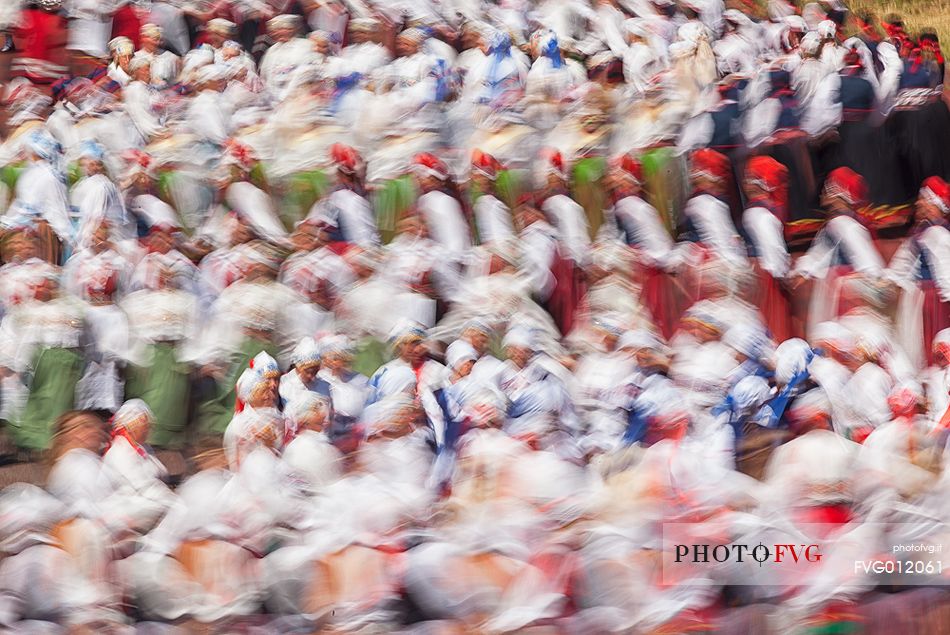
568	292
936	316
659	297
773	302
126	23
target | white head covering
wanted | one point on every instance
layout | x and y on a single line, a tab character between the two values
257	208
335	344
942	338
521	337
827	28
458	353
265	365
129	412
791	358
306	403
809	43
156	212
639	339
211	73
306	352
313	462
380	416
405	329
833	332
249	380
750	393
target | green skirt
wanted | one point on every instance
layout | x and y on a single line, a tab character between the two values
165	386
52	393
508	187
215	413
392	201
304	189
667	181
588	190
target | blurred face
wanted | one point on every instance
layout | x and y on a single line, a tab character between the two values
486	415
282	35
88	433
315	420
518	355
478	339
45	290
100	237
139	429
122	61
711	186
927	211
702	332
465	369
264	395
412	226
336	362
320	45
413	351
149	43
90	166
142	73
755	191
215	39
406	46
834	204
527	216
308	373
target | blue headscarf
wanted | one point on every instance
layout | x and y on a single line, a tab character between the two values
552	50
47	148
90	149
343	86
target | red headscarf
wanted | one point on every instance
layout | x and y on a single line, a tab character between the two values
848	185
772	177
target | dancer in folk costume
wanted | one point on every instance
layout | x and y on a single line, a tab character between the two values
492	218
565	214
707	218
842	249
302	378
90	526
136	475
41	194
441	208
412	373
766	212
641	227
163	317
257	421
346	208
936	381
44	31
349	390
49	336
922	269
99	275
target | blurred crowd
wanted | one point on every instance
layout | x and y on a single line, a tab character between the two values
452	305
